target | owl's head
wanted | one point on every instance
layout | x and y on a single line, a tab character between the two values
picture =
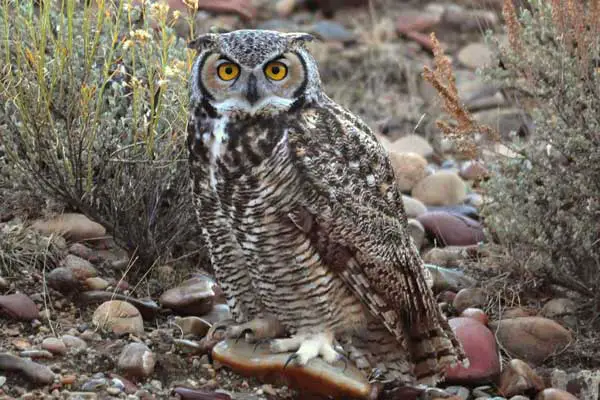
253	71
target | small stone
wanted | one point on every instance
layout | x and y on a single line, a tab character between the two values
147	307
54	345
137	360
35	354
198	394
36	373
192	325
475	313
18	306
519	378
63	280
284	8
532	339
73	342
451	229
417	232
412	144
95	283
509	122
475	55
519	397
474	171
450	256
81	268
442	188
331	31
82	251
119	317
469	297
192	297
458	209
516	312
409	169
448	279
554	394
220	312
481	350
21	344
413	207
460	392
4	284
68	379
557	308
72	226
321	377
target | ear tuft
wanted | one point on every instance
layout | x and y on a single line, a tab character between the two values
299	38
203	42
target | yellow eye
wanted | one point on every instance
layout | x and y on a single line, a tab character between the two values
276	70
228	71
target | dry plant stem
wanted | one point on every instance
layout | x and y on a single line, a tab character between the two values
442	79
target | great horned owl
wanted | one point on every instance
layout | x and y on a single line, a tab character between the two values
304	223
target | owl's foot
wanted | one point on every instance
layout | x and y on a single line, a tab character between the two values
307	347
256	330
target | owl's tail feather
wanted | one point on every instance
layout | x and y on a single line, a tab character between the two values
434	347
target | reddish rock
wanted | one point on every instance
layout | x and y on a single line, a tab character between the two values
119	317
532	339
195	296
519	378
516	312
475	313
451	229
72	226
18	306
469	297
416	21
481	350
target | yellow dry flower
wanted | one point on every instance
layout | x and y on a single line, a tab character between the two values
140	35
127	44
176	14
191	4
159	11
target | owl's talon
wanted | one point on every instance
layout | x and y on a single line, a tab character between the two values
291	358
243	334
307	347
256	330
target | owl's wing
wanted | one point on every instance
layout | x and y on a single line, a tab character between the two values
358	217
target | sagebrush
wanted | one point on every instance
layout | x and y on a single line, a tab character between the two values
93	113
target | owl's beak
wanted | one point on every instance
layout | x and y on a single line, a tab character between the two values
252	90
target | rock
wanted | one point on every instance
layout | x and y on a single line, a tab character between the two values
554	394
519	378
54	345
451	229
460	392
417	232
448	279
331	31
409	169
475	313
136	360
72	226
518	397
148	308
515	313
119	317
18	306
474	171
35	354
316	377
4	284
413	207
284	8
557	308
63	280
220	312
73	342
583	384
452	256
192	325
459	209
532	339
475	55
443	188
197	394
192	297
36	373
469	297
416	20
96	283
412	144
481	350
509	122
81	268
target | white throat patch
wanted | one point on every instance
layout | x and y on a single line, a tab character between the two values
219	137
272	104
